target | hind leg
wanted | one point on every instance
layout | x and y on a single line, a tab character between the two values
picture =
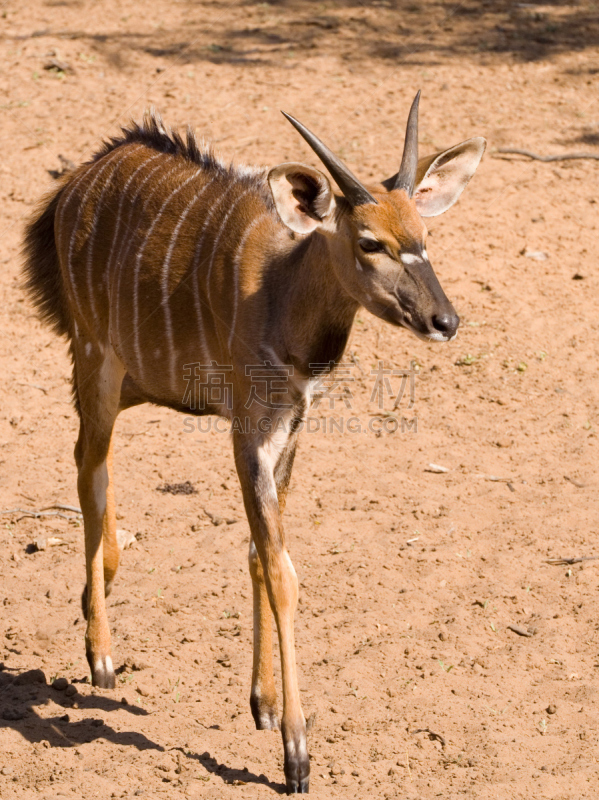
111	551
98	384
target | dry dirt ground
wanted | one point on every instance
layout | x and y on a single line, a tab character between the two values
409	578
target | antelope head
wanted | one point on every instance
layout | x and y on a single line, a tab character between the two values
377	234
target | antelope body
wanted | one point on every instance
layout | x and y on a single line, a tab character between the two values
154	255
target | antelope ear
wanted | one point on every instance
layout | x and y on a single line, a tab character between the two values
302	195
442	177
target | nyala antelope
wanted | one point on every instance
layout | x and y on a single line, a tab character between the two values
155	255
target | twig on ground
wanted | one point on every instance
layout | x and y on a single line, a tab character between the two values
536	157
216	520
519	630
25	512
431	735
573	481
558	562
63	507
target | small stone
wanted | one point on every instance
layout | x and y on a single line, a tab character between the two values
39	544
551	709
143	690
124	539
443	636
60	684
71	690
6	770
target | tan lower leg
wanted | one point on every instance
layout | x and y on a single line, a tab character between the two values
109	541
92	485
283	592
263	698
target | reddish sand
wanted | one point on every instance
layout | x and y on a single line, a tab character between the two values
409	578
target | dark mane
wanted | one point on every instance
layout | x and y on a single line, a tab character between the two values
152	132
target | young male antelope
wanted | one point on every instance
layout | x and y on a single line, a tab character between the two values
154	255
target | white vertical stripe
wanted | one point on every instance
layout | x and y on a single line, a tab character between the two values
92	237
75	228
129	238
236	263
140	252
195	276
121	204
164	281
217	240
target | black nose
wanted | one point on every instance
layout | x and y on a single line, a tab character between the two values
446	324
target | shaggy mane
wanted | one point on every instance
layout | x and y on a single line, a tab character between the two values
152	132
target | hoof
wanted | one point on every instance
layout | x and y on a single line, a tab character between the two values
102	672
297	761
298	787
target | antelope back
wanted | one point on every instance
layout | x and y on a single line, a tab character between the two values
151	238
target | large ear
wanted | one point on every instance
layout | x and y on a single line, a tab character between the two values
442	177
302	195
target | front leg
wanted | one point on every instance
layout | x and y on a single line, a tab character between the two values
256	466
263	697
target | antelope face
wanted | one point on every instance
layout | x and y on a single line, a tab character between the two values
386	267
391	275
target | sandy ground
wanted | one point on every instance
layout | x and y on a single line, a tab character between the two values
409	578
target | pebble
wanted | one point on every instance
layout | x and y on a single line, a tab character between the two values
71	690
60	684
551	709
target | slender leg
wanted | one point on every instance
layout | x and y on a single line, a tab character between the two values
98	393
111	552
111	548
263	698
256	474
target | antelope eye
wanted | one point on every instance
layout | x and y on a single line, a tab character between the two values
371	246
